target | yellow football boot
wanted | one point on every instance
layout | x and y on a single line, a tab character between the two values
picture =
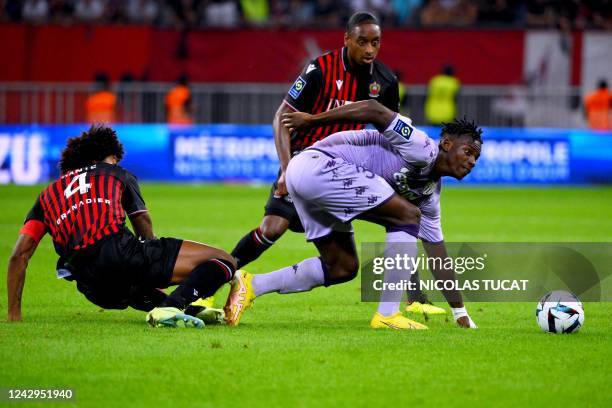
396	321
240	297
209	302
424	309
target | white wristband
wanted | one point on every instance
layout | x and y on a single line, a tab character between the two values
459	312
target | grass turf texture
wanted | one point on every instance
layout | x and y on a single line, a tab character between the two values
311	348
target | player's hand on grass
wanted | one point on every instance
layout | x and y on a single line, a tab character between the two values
466	322
463	319
296	120
281	186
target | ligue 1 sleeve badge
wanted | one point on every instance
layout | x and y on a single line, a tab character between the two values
374	89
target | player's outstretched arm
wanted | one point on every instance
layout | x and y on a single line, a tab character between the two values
369	111
453	297
15	278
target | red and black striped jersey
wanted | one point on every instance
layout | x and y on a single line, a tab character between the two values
328	82
85	205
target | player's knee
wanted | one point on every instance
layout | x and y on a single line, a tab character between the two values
410	214
273	230
221	255
226	267
343	270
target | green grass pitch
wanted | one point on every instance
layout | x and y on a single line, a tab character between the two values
313	348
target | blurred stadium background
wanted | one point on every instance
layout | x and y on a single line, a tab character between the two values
523	65
525	69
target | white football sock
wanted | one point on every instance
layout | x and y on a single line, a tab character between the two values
301	277
398	243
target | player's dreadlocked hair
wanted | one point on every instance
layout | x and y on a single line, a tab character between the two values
361	17
462	127
92	146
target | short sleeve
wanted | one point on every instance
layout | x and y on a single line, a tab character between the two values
306	88
132	200
415	147
34	224
36	213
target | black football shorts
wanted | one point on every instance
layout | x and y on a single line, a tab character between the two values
283	207
111	271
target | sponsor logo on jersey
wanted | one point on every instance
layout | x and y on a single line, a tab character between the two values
297	88
336	103
403	129
374	89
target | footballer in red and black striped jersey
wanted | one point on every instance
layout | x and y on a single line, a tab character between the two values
333	80
84	211
85	205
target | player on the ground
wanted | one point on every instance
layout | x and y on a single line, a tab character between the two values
391	177
342	76
84	211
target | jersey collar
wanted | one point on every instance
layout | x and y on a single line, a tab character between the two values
347	66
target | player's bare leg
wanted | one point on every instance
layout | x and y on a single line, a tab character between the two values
200	270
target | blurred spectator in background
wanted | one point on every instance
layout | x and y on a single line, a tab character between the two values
540	13
142	11
10	10
35	11
61	11
598	107
449	13
463	13
602	13
434	14
220	13
405	12
178	103
115	11
382	9
301	12
441	103
255	12
327	13
90	11
566	15
102	104
497	12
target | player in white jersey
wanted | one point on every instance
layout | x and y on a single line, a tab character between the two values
390	177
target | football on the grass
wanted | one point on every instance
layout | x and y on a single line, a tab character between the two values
560	312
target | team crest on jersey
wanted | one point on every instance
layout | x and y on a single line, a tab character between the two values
297	88
374	89
403	129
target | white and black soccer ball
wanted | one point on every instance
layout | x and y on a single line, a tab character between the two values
560	312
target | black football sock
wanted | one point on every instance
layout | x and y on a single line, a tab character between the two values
250	247
202	282
146	299
416	295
